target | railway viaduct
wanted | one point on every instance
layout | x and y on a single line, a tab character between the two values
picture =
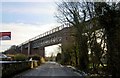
59	35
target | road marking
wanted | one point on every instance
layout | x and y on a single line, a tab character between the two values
36	68
61	65
51	67
78	73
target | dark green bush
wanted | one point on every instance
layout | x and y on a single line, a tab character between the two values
35	57
58	58
20	57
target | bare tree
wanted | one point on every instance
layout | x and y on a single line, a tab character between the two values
74	13
93	21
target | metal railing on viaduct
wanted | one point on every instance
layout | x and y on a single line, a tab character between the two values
57	35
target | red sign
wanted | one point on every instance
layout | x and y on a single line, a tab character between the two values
5	35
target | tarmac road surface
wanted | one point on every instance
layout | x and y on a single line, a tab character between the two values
50	70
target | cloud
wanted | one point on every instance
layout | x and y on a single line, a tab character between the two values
29	0
21	32
29	8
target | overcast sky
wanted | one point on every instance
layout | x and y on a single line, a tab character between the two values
26	20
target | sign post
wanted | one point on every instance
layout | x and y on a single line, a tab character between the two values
5	35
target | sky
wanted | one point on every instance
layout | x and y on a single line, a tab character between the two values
26	19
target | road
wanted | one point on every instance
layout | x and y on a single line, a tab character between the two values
50	70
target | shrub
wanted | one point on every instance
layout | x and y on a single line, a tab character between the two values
20	57
36	57
58	58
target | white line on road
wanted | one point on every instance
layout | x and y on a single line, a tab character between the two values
78	73
61	65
